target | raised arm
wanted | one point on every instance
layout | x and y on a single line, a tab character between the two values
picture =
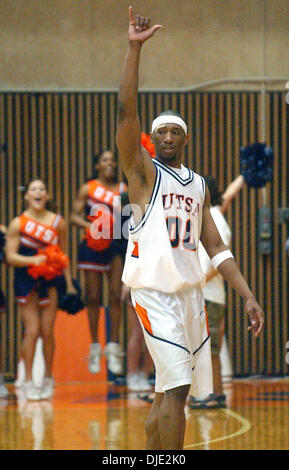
214	245
231	191
135	161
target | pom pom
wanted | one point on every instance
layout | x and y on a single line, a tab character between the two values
71	303
257	164
53	266
147	144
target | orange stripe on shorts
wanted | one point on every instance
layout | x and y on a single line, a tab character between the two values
207	321
143	314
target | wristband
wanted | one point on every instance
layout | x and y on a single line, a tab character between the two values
220	257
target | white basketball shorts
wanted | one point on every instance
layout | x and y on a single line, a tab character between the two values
177	335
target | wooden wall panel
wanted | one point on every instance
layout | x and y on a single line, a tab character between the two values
55	136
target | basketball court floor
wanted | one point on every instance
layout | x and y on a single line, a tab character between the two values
92	412
105	416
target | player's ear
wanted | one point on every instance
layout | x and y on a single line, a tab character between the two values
187	138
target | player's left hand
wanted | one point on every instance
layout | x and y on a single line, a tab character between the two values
256	316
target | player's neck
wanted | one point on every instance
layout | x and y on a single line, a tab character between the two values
175	162
36	214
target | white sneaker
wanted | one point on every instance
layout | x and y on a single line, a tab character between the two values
31	392
114	358
144	382
47	388
3	391
18	383
133	381
94	358
20	377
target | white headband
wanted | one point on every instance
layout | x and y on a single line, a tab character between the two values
169	119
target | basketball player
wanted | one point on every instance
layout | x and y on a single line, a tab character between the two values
37	227
171	211
98	255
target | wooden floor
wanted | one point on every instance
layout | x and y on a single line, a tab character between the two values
103	416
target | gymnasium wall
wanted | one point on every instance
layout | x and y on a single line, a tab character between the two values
55	135
80	44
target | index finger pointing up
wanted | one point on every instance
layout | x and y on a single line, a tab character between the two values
130	14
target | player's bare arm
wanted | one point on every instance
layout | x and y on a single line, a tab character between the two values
214	245
135	160
231	191
62	230
78	206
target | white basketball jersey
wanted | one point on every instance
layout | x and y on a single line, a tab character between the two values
162	247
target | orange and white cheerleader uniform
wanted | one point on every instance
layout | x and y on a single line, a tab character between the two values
103	208
35	235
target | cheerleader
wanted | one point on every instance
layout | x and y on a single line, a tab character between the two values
36	278
99	255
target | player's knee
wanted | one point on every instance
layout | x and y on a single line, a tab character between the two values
46	333
215	348
178	395
151	425
115	296
92	297
32	331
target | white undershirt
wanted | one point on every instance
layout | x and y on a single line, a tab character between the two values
214	290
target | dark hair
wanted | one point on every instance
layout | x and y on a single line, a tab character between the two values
50	204
216	196
95	160
170	112
97	156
